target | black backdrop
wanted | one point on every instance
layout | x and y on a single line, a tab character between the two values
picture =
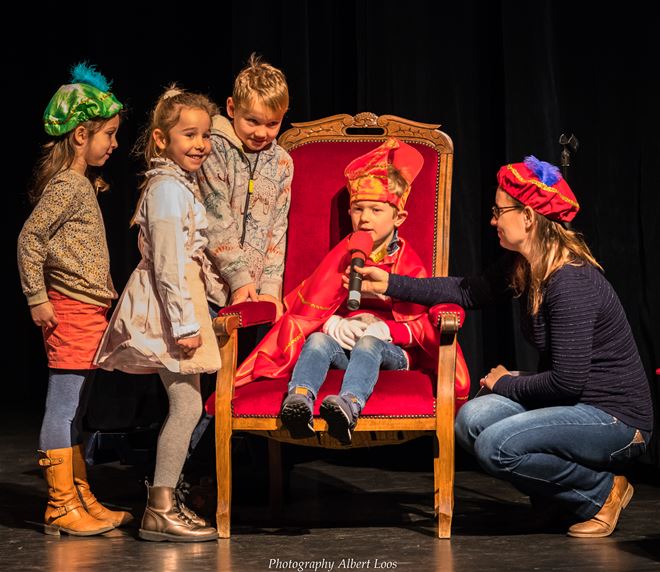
504	78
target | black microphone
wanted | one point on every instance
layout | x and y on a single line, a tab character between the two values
359	245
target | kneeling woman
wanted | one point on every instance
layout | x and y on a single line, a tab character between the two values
560	434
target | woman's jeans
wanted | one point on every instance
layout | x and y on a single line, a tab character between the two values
368	356
562	453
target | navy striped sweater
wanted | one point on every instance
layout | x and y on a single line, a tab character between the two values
587	350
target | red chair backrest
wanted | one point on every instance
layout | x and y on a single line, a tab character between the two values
318	217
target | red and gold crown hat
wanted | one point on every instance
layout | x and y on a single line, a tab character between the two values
539	185
367	175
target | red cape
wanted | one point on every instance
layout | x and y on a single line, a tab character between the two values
318	297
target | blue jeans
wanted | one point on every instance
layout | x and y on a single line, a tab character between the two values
368	356
560	453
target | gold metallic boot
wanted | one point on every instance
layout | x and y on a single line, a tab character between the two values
65	512
89	501
164	520
180	492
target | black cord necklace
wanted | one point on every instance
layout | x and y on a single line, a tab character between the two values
250	190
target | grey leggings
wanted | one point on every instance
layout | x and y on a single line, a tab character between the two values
66	403
185	410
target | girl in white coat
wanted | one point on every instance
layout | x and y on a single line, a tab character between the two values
162	323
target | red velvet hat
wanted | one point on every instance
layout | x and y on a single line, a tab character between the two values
539	185
367	175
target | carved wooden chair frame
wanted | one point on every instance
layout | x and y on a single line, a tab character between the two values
342	127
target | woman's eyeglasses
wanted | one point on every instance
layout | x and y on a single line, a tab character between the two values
499	211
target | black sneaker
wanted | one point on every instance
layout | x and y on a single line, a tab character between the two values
297	415
341	415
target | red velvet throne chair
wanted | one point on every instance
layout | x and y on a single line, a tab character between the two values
404	405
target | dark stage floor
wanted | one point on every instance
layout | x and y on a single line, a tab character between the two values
348	510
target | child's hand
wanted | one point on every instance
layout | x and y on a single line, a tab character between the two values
367	318
247	293
279	309
379	330
43	315
374	280
189	345
345	331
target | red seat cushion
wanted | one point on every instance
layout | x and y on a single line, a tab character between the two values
397	394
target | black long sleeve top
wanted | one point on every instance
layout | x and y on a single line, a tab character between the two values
587	350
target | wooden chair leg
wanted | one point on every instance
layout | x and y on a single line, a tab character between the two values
275	475
223	474
227	342
443	460
443	476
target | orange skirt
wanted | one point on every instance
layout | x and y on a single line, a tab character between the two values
72	344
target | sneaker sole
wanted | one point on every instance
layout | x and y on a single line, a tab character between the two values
295	418
338	422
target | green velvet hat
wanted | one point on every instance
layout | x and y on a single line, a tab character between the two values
86	97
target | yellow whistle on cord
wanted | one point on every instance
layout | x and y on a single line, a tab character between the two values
251	186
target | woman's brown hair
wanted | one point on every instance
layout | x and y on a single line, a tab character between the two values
553	246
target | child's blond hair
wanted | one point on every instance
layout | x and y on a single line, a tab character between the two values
261	80
395	181
166	114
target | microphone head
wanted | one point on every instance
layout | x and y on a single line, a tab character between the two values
360	244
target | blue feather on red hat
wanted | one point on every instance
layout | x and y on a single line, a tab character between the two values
547	173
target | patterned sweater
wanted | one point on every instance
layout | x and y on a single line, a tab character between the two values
587	350
223	183
62	245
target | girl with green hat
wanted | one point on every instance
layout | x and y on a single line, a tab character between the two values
65	275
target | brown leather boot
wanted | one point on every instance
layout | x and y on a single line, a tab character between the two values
89	501
65	512
164	520
604	523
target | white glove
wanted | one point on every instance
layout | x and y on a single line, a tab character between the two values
366	318
379	330
345	331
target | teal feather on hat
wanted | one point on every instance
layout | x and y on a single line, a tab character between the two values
84	72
